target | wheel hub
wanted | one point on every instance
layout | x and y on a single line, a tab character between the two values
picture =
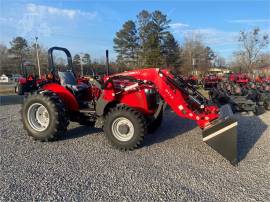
38	117
122	129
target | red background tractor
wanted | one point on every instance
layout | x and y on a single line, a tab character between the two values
29	80
210	81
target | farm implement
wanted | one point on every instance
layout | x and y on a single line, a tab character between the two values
242	97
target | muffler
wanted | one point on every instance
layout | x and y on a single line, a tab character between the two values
222	135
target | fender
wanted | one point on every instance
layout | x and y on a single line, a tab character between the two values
22	80
67	97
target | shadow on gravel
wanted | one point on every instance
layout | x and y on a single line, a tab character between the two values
79	131
171	127
250	129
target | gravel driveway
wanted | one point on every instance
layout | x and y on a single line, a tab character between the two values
173	165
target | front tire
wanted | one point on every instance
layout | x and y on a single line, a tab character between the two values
44	116
125	127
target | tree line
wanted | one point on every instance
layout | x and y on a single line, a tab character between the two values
11	59
147	41
21	50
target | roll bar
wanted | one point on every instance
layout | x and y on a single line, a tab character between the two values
50	57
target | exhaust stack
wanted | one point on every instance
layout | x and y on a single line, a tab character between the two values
107	63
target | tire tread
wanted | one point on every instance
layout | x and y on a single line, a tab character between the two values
142	125
54	102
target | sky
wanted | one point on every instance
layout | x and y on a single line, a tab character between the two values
90	26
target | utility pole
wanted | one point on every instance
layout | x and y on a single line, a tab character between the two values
81	55
193	65
37	58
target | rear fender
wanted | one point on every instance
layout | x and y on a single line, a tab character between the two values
22	81
67	97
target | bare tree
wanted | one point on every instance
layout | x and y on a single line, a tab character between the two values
43	57
264	59
251	44
219	61
4	66
195	55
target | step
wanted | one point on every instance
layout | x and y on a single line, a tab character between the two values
87	110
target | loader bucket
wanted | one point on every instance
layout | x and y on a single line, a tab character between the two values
222	135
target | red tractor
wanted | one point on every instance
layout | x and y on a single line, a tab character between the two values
210	81
193	80
241	79
28	81
262	80
126	105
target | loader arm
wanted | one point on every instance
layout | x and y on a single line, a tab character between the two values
183	99
218	132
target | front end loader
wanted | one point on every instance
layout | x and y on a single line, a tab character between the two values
127	106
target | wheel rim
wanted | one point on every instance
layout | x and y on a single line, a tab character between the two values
122	129
38	117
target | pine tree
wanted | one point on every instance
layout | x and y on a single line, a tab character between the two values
171	51
149	47
126	44
161	24
19	48
144	19
152	30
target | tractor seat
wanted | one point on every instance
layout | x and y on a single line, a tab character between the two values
68	80
78	87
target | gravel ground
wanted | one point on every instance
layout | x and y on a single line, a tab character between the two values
174	164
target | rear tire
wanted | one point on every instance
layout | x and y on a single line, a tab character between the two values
125	127
44	116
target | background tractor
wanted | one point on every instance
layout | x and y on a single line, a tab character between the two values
29	80
210	81
127	106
